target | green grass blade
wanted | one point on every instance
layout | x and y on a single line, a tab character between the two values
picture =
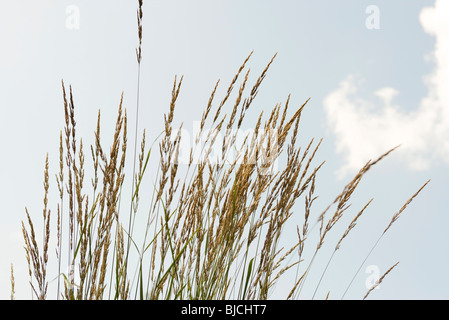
177	257
248	276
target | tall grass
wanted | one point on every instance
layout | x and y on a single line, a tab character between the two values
215	222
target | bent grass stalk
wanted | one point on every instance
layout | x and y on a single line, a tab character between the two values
393	219
378	282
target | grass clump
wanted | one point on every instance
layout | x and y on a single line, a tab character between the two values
215	222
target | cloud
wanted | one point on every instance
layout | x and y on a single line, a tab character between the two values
365	129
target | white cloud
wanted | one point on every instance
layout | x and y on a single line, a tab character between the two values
365	129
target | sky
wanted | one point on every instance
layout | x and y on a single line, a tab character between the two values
376	73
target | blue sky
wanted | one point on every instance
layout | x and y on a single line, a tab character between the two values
370	88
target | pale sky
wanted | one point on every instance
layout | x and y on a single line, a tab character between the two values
377	73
